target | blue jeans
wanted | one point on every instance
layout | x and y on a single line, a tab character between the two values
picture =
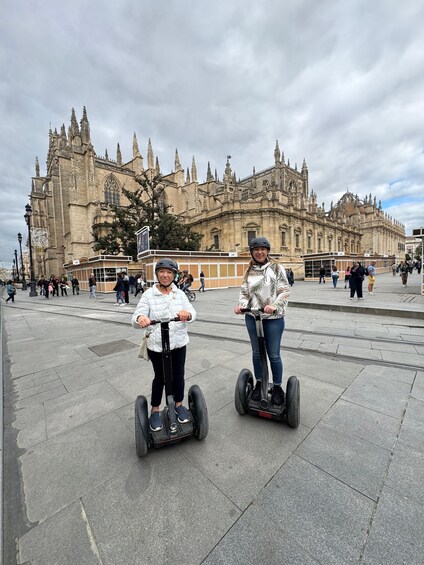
335	279
273	331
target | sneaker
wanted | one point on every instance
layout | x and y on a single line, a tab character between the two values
361	299
182	414
351	297
277	397
256	392
155	422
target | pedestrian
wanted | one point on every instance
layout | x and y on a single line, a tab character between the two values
265	285
75	285
290	276
187	282
11	291
418	266
372	271
126	290
334	275
92	285
119	289
132	284
202	281
64	286
394	269
322	275
404	270
51	286
46	286
55	283
139	285
165	300
357	275
347	276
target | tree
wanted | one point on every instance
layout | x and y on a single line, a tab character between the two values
147	207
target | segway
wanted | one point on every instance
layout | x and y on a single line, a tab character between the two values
172	431
289	410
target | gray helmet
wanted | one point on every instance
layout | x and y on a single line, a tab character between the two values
167	264
259	242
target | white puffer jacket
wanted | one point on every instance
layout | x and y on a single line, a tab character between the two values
158	306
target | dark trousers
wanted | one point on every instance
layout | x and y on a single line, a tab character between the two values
11	297
126	297
356	286
178	357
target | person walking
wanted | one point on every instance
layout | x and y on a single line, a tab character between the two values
139	286
126	291
404	270
11	291
165	300
334	275
372	271
394	269
75	285
64	286
202	281
132	284
119	289
92	285
357	275
265	285
322	275
347	276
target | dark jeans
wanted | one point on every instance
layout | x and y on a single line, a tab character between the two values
11	297
322	278
273	330
75	288
356	286
178	357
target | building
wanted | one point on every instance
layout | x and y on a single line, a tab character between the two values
73	197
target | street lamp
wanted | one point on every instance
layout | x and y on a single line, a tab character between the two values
13	270
24	284
27	217
18	280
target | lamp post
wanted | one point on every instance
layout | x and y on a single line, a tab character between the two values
13	270
27	217
18	280
24	284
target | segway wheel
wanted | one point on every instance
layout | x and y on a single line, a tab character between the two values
293	402
141	426
244	386
198	408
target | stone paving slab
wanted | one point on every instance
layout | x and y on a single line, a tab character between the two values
53	541
396	534
256	538
81	406
140	512
58	472
353	461
406	472
363	423
325	517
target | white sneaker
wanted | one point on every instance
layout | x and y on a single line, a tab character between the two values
361	299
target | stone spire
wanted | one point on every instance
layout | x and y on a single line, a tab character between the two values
228	171
283	162
209	176
74	130
216	175
150	156
106	155
85	127
177	164
136	150
277	156
188	177
193	170
63	142
37	167
118	155
157	167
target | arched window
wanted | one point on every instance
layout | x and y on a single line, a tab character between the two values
111	188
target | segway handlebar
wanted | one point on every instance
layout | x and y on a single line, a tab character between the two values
253	310
153	322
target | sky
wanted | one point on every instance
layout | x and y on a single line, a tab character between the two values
338	83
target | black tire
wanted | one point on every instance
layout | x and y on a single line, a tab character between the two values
244	386
142	434
199	410
293	402
191	296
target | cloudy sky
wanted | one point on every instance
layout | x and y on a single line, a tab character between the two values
339	83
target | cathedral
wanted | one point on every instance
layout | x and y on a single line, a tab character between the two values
73	198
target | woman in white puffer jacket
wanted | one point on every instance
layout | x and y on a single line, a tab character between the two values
164	301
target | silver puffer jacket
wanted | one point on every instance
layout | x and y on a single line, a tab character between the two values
266	285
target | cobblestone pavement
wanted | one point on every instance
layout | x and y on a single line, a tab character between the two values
344	487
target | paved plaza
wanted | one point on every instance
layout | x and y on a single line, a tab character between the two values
344	487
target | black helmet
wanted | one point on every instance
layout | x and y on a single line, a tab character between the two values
167	264
259	242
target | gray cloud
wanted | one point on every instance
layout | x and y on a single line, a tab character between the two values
338	83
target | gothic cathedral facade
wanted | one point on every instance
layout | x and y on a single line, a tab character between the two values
75	195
